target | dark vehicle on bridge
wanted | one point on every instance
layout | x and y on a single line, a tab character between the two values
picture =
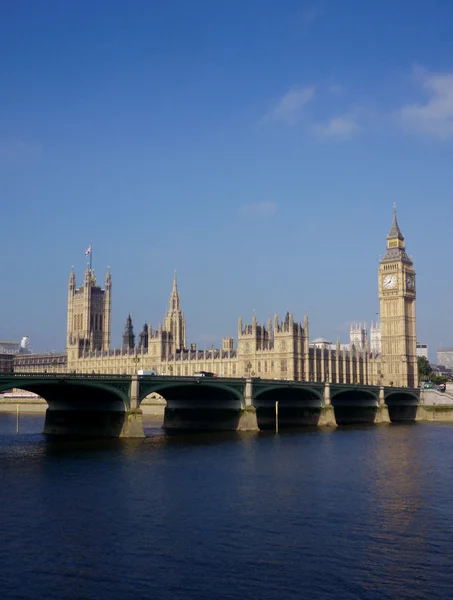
204	374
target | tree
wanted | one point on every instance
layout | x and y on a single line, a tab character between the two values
424	368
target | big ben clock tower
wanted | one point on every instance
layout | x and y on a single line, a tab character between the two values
397	311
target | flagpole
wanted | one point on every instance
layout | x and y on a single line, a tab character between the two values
91	253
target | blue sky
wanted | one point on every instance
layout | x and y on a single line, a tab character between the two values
255	146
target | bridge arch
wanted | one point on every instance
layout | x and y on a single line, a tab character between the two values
198	404
285	392
354	397
82	405
69	393
196	391
298	405
402	396
402	404
354	406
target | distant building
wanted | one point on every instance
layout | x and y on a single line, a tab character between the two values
8	351
280	349
9	347
320	342
361	340
25	347
49	362
375	337
445	357
422	350
358	337
443	370
6	362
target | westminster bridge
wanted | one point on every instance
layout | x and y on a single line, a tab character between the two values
109	405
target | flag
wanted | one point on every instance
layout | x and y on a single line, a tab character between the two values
88	250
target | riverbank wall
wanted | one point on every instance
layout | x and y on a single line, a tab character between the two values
35	404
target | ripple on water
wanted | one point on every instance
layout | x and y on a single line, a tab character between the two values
351	513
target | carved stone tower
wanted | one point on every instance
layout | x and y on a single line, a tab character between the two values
128	335
397	312
174	323
107	311
89	309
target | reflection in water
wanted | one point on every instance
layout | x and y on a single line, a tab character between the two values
347	513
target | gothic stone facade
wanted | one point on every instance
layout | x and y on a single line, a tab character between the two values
280	349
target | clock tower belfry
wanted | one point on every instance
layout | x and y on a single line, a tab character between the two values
397	312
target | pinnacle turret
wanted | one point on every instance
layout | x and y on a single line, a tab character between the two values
395	232
174	304
395	244
72	279
128	335
174	322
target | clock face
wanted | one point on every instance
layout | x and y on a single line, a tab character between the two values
389	282
410	282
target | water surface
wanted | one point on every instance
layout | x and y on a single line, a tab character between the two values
353	513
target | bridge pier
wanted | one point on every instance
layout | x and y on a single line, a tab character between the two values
382	412
247	418
421	413
95	419
134	393
327	415
94	423
133	422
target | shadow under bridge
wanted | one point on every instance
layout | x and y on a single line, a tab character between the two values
199	404
355	405
298	406
402	404
78	405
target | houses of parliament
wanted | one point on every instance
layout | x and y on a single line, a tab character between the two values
278	349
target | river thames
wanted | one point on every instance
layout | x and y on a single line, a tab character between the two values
351	513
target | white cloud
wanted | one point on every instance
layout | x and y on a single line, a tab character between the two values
434	117
289	107
260	209
340	128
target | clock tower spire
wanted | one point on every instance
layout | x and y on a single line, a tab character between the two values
397	311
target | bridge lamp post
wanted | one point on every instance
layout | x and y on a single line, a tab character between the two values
381	376
136	360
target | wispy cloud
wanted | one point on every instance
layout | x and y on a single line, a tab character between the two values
335	88
16	148
260	209
339	128
435	116
310	13
289	107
